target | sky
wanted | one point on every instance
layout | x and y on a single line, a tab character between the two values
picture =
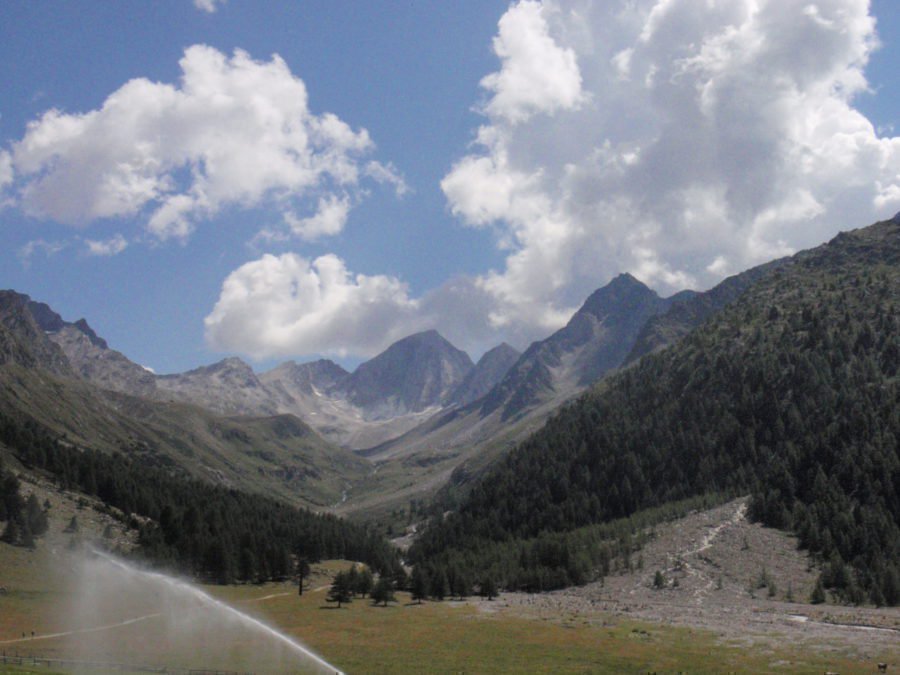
204	178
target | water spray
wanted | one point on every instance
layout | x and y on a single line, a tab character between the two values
208	600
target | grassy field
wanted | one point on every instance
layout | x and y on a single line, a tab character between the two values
435	637
128	619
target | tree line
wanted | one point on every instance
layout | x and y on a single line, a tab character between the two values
427	582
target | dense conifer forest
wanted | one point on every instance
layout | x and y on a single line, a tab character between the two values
792	394
25	518
207	531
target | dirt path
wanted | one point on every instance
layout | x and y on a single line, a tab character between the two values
82	631
269	597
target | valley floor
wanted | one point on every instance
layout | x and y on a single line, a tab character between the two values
707	622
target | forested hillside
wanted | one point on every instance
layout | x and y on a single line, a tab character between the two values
791	394
190	526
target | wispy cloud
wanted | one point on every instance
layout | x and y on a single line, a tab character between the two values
39	246
107	247
208	6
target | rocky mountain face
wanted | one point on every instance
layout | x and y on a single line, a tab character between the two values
297	380
490	369
412	375
382	399
90	355
597	339
22	338
39	389
228	387
105	367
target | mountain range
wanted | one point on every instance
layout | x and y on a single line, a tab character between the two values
416	417
766	383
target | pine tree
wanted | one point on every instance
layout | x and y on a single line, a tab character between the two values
818	594
340	591
383	591
488	588
420	584
364	582
439	584
302	573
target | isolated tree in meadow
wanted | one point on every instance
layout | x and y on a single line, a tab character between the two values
659	580
818	594
459	584
420	584
383	591
488	588
340	590
399	577
440	587
352	578
302	573
364	582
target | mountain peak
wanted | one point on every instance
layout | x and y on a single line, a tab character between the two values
625	279
621	293
23	340
232	363
414	373
430	336
488	372
95	339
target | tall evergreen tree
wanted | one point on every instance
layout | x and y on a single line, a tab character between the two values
341	590
383	591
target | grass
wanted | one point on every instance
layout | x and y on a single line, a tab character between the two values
433	637
486	637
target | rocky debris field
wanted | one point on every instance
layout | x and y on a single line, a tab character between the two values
717	571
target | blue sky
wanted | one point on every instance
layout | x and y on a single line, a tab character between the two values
476	167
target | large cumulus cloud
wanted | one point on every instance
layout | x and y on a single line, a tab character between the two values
680	140
234	132
684	140
288	305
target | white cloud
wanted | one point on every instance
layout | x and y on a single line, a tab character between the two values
107	247
286	305
329	219
537	75
682	140
388	174
234	132
208	6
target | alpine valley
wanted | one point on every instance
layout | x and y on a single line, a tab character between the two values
780	383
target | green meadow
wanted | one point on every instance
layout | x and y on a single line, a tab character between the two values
471	636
